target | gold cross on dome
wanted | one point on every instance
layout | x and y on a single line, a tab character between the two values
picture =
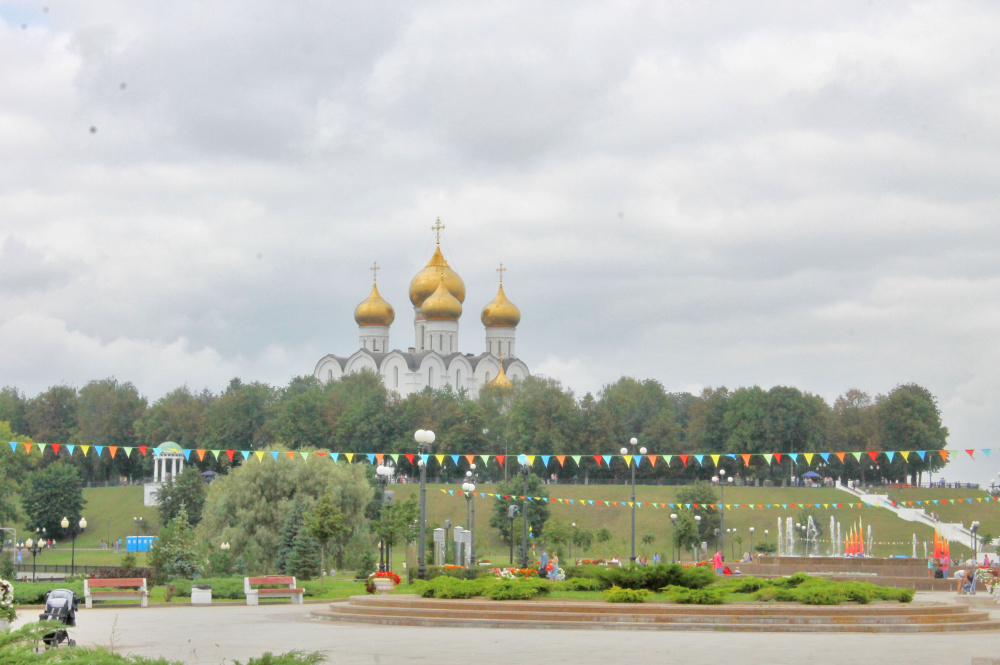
501	270
374	270
437	230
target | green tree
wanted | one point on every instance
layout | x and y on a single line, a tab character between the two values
603	537
14	409
641	409
178	416
50	494
290	529
910	420
187	492
510	493
236	419
583	538
647	540
558	533
106	413
304	560
686	533
248	506
543	418
51	415
174	554
327	523
699	497
396	523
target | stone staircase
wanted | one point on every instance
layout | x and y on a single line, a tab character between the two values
411	610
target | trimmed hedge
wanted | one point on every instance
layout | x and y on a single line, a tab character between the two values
619	595
655	577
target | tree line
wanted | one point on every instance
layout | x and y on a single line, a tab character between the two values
537	416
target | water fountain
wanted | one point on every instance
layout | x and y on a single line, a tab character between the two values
840	542
781	542
789	536
833	541
811	537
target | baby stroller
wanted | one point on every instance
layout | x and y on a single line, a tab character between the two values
969	587
60	605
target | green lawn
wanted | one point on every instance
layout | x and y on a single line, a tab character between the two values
110	512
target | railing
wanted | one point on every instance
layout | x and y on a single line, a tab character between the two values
58	568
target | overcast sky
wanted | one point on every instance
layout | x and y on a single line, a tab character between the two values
702	193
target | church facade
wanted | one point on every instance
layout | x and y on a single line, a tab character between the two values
437	293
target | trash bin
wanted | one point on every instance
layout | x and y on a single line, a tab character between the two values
201	594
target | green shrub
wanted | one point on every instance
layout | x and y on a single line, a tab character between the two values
433	572
819	595
448	588
656	576
708	596
580	584
33	593
505	589
767	594
619	595
740	584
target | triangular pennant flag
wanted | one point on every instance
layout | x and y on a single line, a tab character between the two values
684	459
873	454
245	453
561	459
607	459
857	455
501	458
290	453
70	448
55	449
922	453
825	456
99	449
201	454
777	457
41	448
485	459
409	458
13	446
229	454
259	454
667	458
628	460
440	459
470	459
113	450
746	459
700	458
371	458
350	457
304	456
768	456
652	460
597	458
809	457
638	460
454	459
944	455
970	453
334	457
142	449
531	459
986	451
715	459
545	460
840	456
380	457
187	453
274	455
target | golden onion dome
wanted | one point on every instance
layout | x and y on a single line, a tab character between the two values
426	281
441	305
501	381
501	313
374	310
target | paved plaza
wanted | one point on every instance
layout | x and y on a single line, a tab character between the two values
221	633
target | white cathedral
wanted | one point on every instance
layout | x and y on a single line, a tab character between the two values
437	293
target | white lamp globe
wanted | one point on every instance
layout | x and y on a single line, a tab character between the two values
642	451
83	522
65	523
418	436
428	436
624	451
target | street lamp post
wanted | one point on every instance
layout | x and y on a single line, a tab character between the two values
974	530
469	487
65	525
673	536
570	544
524	518
642	451
424	439
697	522
751	542
732	544
34	546
138	523
384	474
720	480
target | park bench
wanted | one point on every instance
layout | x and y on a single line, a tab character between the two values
115	589
272	586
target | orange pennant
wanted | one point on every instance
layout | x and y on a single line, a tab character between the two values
840	456
746	459
201	454
112	450
652	460
562	460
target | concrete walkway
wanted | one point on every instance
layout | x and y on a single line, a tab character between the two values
220	634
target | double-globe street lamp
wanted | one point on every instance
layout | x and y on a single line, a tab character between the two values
469	487
720	480
138	524
697	530
525	470
384	474
424	439
642	451
76	529
34	546
751	542
973	530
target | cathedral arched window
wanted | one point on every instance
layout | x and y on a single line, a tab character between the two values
329	375
430	377
395	377
458	379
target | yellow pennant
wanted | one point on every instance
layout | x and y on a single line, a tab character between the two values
349	456
628	460
715	459
440	459
531	459
85	449
259	454
809	457
905	454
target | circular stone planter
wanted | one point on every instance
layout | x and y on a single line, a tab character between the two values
384	585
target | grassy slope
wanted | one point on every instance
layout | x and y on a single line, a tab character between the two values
114	508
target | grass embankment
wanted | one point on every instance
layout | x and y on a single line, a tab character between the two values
110	512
